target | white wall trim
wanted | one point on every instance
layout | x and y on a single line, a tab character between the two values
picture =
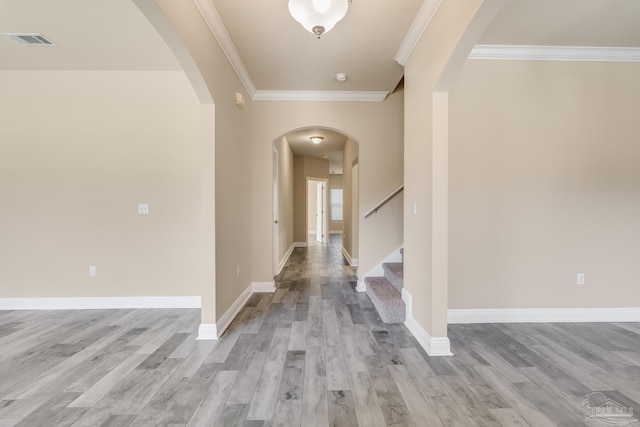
213	20
434	346
301	95
418	27
544	315
98	303
285	258
378	271
556	53
231	313
263	287
353	262
335	231
210	331
300	244
207	331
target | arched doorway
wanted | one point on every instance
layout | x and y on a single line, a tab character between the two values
299	163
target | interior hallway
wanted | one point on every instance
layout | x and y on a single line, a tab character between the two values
314	353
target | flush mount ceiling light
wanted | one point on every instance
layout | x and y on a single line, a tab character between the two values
316	139
318	16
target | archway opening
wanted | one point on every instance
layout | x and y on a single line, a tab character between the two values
313	195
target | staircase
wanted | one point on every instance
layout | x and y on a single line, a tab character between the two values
386	292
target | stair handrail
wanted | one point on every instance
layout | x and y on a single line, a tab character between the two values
383	201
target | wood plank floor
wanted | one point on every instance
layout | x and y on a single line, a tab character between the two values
314	353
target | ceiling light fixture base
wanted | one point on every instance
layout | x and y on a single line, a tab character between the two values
318	30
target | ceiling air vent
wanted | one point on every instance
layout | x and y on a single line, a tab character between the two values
30	39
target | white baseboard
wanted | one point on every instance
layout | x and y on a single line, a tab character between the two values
544	315
353	262
207	331
361	286
335	231
98	303
434	346
210	331
300	244
225	320
378	271
286	256
262	287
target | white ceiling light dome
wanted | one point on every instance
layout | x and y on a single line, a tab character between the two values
318	16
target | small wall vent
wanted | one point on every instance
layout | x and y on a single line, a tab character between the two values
30	39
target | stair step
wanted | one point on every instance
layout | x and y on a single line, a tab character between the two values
394	273
386	299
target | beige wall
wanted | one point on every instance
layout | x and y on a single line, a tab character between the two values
305	167
349	155
78	152
232	142
433	60
335	182
285	197
545	184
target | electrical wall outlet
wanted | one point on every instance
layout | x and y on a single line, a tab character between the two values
143	208
92	270
580	279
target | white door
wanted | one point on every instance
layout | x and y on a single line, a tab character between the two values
319	212
276	236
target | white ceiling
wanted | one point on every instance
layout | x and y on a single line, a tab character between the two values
280	54
598	23
277	52
330	148
90	35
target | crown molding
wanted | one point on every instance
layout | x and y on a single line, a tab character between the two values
299	95
418	27
555	53
213	20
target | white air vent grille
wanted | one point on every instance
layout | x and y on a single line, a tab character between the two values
30	39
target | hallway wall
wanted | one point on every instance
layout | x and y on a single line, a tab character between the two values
285	197
350	154
545	184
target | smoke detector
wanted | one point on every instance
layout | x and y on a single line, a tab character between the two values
341	77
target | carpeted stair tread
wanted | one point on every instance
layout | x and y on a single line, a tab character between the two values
394	273
386	299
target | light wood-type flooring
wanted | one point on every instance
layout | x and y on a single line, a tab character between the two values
314	353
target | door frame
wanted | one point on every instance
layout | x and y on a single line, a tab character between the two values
275	218
325	222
